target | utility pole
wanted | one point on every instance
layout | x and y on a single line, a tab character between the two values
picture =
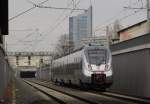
108	35
91	16
148	16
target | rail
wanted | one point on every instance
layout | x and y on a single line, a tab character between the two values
96	95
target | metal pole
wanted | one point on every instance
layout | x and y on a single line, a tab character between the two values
5	61
107	35
91	19
148	16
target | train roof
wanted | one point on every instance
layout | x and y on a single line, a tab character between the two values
81	49
70	53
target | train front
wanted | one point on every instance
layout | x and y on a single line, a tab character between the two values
98	66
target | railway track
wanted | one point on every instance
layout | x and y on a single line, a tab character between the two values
125	97
110	94
119	96
59	96
81	97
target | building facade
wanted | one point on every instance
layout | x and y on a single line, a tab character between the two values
133	31
80	27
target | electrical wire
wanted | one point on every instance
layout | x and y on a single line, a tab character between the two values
102	27
53	28
51	7
26	11
119	13
138	1
22	40
111	19
99	28
114	18
27	36
59	23
23	30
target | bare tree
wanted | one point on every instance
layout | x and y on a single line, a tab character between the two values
113	30
63	45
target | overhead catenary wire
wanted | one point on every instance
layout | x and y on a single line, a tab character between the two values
36	40
39	6
22	30
29	41
59	17
104	26
57	24
105	23
120	12
26	11
112	18
134	8
61	8
22	40
142	5
54	28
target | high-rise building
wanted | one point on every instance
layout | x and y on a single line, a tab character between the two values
80	27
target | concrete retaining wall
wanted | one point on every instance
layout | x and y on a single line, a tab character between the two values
131	66
132	73
5	74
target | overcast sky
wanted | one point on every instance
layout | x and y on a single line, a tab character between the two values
44	26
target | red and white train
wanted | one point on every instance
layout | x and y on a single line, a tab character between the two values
90	66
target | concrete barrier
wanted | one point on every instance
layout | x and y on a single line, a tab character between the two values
6	74
131	67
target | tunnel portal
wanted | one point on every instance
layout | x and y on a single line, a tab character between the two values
27	74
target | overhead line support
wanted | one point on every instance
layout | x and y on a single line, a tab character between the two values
39	6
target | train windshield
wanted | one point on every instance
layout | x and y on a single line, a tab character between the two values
96	56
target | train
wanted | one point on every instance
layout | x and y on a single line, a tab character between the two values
42	73
90	65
